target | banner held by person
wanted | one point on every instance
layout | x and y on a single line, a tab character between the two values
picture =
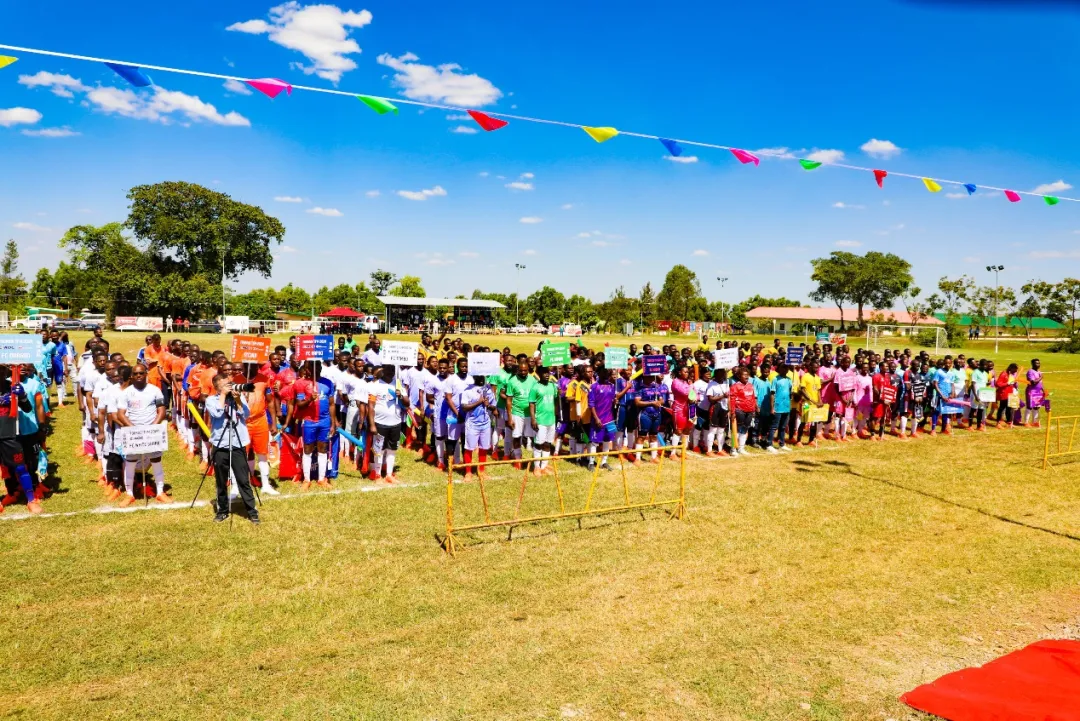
555	354
484	364
616	358
726	358
250	349
19	349
654	365
314	348
144	439
399	352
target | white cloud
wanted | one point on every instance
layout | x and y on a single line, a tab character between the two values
441	84
681	158
826	156
469	254
528	176
373	194
1051	254
484	173
775	152
700	253
603	244
422	194
459	117
64	132
328	212
530	251
235	86
19	116
1056	187
441	261
849	206
567	206
288	199
319	32
518	185
288	249
464	130
880	148
531	220
624	261
971	259
584	235
63	85
161	106
34	227
956	196
847	244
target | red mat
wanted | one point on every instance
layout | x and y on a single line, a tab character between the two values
1037	683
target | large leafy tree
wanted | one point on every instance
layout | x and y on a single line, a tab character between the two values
646	304
192	230
873	280
679	295
381	280
833	277
545	306
408	287
12	284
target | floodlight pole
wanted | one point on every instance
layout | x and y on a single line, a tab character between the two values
997	300
517	294
722	281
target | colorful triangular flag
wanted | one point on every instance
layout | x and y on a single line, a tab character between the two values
380	106
970	187
130	73
745	157
6	60
270	87
931	185
600	135
1050	200
672	147
809	164
487	122
1013	196
879	177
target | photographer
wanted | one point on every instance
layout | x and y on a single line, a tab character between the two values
228	411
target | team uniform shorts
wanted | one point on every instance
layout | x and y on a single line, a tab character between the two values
501	421
718	416
648	425
454	428
743	420
545	435
259	432
440	424
386	437
603	434
316	431
477	437
523	427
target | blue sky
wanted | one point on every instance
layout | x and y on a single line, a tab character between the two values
964	91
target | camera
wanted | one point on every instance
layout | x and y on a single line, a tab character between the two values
243	387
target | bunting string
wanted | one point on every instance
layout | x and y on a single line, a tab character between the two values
490	120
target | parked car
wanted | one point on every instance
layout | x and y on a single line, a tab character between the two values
519	329
205	326
538	329
90	324
66	324
36	322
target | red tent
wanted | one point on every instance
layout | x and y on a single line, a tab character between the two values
342	312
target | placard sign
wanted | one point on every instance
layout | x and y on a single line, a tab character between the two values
399	352
17	349
838	339
654	365
250	349
846	382
795	355
987	395
816	414
822	337
144	439
484	364
616	358
726	358
314	347
555	354
888	395
918	390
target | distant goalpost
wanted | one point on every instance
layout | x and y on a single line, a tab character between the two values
881	335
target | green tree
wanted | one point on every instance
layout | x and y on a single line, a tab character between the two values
646	305
873	280
833	277
381	280
580	310
679	294
619	310
192	230
408	287
544	306
112	266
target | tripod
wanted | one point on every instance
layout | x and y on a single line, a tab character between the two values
230	425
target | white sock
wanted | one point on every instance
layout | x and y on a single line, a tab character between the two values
903	425
605	448
206	451
742	440
592	449
159	476
710	436
391	456
264	469
129	477
676	440
305	464
637	456
654	445
440	450
720	435
558	445
322	466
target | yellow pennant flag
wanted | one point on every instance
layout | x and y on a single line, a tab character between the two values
6	60
600	134
931	185
198	418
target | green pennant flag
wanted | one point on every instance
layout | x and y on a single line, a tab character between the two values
581	343
809	164
380	106
1050	200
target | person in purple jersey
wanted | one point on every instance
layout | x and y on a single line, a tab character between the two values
563	427
602	404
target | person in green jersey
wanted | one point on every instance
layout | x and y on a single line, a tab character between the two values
542	414
516	394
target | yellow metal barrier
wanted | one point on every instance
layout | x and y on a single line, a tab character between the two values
1054	447
450	543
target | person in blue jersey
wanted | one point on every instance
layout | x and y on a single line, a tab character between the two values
649	401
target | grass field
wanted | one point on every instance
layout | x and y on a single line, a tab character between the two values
814	585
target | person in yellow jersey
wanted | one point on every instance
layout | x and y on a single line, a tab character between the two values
810	395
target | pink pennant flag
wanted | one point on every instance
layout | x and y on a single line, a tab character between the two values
1012	196
745	157
270	87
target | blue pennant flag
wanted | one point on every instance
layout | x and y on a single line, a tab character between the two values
970	188
130	73
673	147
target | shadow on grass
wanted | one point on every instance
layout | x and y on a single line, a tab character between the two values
807	466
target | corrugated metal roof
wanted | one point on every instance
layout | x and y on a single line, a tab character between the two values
999	322
433	302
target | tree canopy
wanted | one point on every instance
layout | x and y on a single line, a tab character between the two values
873	280
679	295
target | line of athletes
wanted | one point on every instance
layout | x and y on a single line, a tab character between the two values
441	410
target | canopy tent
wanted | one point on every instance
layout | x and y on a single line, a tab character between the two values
342	312
463	312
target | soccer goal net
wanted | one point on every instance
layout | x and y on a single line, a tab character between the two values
886	336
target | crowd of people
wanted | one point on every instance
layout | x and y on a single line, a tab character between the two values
312	416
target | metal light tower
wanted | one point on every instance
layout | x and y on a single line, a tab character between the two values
722	281
517	294
997	299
